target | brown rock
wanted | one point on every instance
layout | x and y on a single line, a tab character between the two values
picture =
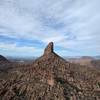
49	49
50	77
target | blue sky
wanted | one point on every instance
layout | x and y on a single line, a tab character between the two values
27	26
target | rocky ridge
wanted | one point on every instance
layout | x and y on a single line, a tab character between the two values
50	77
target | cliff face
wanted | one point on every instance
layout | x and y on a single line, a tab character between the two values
50	77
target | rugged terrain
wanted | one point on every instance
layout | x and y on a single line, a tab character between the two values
50	77
96	63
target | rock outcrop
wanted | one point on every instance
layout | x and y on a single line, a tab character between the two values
49	49
50	77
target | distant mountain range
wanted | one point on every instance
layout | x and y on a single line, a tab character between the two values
76	57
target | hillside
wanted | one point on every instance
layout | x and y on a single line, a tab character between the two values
3	59
50	77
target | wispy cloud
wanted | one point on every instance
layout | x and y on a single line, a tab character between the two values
15	50
70	24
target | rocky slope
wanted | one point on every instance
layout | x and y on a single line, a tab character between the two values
50	77
3	59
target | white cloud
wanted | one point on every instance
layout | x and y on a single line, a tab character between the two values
14	47
15	50
53	20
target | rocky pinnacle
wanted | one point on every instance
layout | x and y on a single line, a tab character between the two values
49	49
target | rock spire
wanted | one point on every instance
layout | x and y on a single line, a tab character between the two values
49	49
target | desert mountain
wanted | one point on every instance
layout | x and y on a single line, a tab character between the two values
50	77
